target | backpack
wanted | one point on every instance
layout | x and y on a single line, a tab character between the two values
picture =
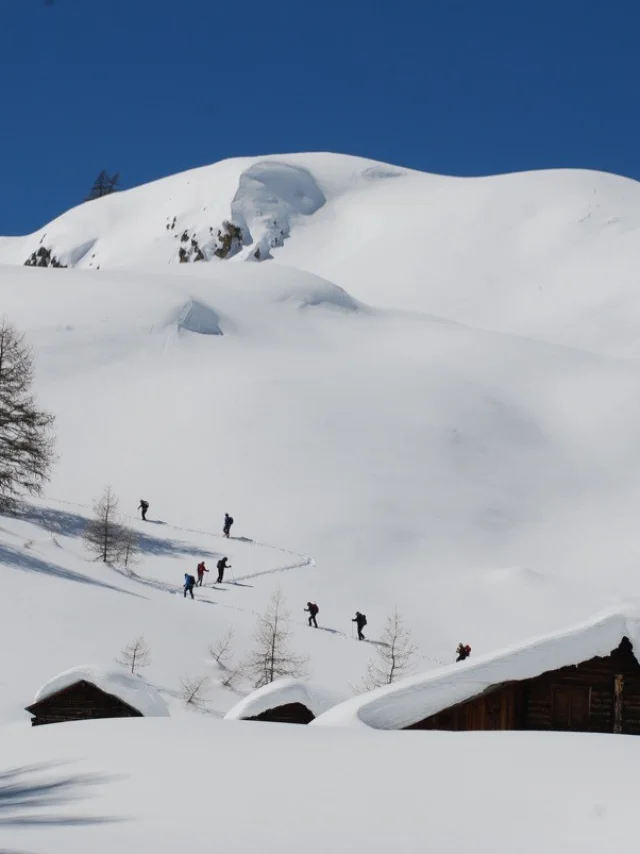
190	581
222	563
230	521
364	620
467	649
313	609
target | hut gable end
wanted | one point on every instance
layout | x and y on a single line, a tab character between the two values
289	713
80	701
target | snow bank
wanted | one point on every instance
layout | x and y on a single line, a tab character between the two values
440	792
196	316
315	292
413	699
280	693
128	687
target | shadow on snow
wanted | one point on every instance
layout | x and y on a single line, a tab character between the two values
27	562
73	525
25	791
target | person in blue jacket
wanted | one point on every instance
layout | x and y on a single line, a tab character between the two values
189	584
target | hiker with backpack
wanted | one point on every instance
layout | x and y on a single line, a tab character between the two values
201	571
143	507
312	609
222	565
464	651
361	621
189	584
228	522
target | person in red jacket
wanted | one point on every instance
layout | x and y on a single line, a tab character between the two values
201	571
464	651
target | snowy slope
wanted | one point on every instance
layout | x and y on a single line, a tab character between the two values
387	458
427	398
547	254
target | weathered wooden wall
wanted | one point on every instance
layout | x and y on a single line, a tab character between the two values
79	702
289	713
599	695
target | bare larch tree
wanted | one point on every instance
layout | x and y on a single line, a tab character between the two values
394	656
221	649
272	658
105	536
135	655
194	690
26	434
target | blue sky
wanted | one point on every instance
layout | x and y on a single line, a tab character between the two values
463	87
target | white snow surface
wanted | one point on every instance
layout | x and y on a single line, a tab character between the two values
283	691
279	788
428	397
128	687
410	700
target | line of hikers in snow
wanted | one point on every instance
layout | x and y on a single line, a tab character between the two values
313	610
190	581
463	651
143	507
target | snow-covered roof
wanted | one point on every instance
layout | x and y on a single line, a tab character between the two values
411	700
128	687
282	692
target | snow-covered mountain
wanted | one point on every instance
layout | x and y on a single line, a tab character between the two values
553	255
419	391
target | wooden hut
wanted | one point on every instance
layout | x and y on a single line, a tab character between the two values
598	695
584	678
79	702
288	701
89	693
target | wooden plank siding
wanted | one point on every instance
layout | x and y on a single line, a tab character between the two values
598	695
79	702
288	713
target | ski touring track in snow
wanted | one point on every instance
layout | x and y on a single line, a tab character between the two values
295	560
301	560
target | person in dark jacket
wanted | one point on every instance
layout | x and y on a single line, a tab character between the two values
143	507
361	621
201	571
189	584
312	609
464	651
228	522
222	565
